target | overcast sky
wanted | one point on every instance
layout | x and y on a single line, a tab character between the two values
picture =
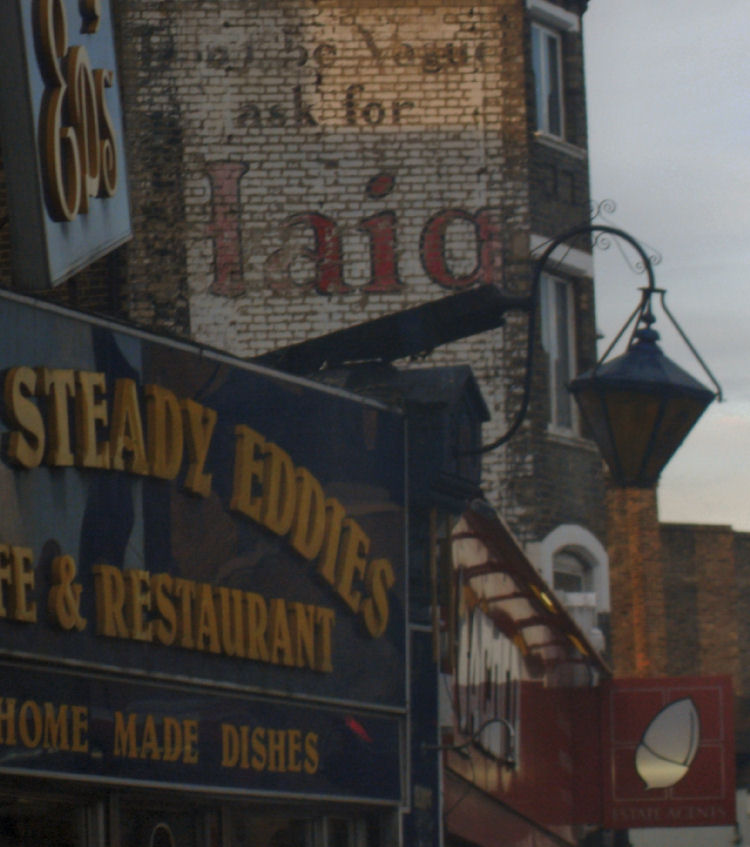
668	85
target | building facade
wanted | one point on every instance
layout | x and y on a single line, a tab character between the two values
687	619
299	167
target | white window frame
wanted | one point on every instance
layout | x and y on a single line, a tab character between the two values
548	81
586	545
554	16
565	420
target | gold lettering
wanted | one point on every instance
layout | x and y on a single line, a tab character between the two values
79	161
309	524
109	588
22	569
64	599
335	514
230	746
17	576
82	108
185	591
302	627
59	386
248	473
91	411
278	490
244	747
280	639
108	186
294	749
164	426
25	445
138	602
125	736
6	579
276	751
352	562
206	626
55	727
149	741
172	740
190	731
257	622
91	12
258	743
61	157
312	757
378	581
232	629
80	742
165	627
199	428
8	721
126	434
30	724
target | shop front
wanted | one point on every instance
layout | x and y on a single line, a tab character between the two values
202	597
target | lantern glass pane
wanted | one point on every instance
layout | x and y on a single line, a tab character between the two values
633	417
680	414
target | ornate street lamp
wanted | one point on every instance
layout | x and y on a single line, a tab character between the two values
640	406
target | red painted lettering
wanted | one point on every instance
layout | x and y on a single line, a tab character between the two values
225	227
489	254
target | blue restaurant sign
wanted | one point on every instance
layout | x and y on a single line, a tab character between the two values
202	568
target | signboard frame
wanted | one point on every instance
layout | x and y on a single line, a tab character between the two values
669	745
49	152
185	581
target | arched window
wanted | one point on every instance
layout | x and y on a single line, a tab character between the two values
570	571
572	559
575	564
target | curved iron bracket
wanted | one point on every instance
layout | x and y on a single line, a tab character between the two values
641	312
509	760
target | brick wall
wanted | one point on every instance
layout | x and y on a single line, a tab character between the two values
639	634
680	594
707	593
325	163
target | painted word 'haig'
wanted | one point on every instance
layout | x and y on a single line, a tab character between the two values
323	251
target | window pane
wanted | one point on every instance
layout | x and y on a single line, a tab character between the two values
554	105
569	572
539	88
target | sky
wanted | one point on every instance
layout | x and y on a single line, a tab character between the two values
668	93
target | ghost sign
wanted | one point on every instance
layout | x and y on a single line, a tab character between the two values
670	744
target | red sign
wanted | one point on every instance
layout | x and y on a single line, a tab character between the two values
670	749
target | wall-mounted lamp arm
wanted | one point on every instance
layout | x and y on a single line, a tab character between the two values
530	305
509	760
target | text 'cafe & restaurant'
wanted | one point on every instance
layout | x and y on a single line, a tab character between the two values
201	591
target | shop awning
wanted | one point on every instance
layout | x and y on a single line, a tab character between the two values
493	572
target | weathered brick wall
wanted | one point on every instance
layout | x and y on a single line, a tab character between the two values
703	587
316	143
707	591
301	165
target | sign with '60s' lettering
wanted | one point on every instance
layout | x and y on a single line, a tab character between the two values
62	137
